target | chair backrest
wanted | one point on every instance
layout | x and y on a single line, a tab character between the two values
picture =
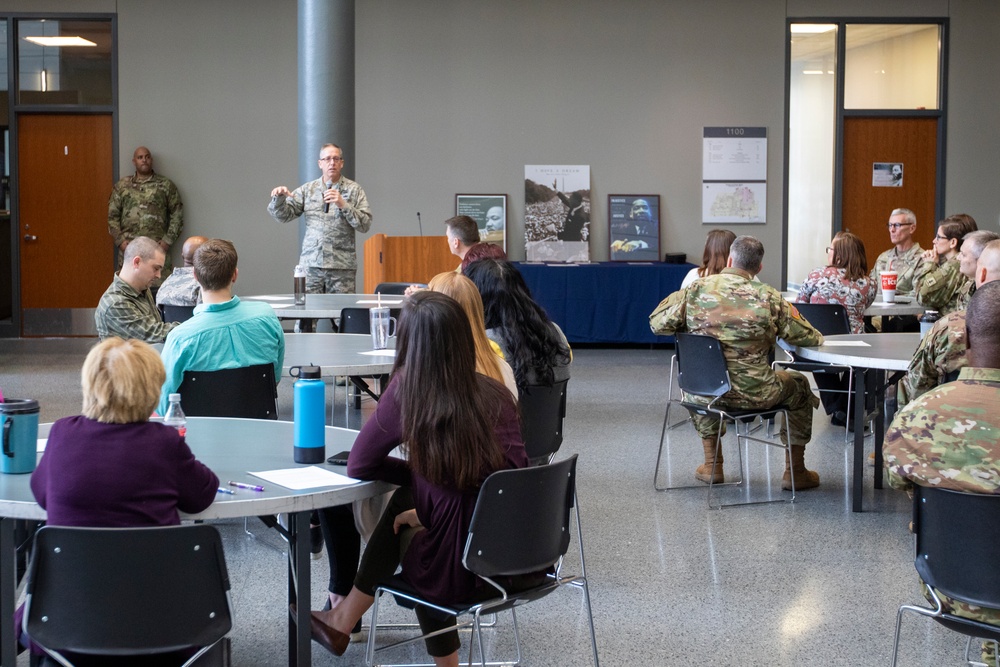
177	313
249	392
127	591
830	319
955	554
395	288
952	375
701	365
522	519
542	412
355	321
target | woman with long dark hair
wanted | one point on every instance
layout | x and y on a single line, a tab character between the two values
714	257
534	346
456	427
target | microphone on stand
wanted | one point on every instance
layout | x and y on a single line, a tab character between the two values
326	204
420	224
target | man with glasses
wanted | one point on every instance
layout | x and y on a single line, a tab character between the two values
902	258
334	208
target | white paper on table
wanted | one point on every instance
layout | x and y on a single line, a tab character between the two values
384	302
310	477
845	343
380	353
41	445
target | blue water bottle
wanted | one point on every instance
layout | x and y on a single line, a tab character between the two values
309	399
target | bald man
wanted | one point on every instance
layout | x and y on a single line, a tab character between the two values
181	288
145	204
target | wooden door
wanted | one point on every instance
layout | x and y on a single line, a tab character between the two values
866	208
65	176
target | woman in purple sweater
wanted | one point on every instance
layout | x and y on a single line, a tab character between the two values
111	467
456	427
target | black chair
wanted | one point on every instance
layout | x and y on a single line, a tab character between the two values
107	593
956	557
176	313
702	372
951	376
395	288
830	319
502	544
542	412
249	392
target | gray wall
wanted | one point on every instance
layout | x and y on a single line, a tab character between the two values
456	97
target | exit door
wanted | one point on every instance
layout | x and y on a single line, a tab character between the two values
65	178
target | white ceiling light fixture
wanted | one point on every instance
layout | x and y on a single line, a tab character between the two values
812	28
60	41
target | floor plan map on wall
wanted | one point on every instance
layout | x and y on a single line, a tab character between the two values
733	202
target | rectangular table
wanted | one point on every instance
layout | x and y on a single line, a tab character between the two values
603	302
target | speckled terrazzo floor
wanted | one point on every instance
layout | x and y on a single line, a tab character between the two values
672	583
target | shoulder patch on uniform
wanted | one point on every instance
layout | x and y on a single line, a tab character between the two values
793	311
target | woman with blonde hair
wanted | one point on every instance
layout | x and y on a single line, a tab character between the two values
714	258
489	357
111	467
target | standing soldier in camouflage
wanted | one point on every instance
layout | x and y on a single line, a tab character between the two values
145	204
747	317
942	350
950	438
334	208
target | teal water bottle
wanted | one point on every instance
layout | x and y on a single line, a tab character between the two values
309	400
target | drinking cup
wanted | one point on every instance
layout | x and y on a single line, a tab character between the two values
888	286
382	326
19	429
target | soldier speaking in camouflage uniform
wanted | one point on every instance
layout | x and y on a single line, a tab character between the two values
334	208
949	438
942	350
126	309
747	317
145	204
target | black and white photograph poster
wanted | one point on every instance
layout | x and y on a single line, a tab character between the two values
635	227
557	213
887	174
490	214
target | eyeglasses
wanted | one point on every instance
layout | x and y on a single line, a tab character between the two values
938	237
896	225
331	159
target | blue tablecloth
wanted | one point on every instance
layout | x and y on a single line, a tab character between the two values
605	302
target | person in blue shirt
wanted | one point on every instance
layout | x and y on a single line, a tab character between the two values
224	331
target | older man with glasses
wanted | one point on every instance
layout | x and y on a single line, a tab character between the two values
335	208
903	258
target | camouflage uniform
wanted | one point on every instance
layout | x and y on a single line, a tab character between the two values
328	249
180	289
942	287
150	208
940	352
746	317
949	438
904	265
126	313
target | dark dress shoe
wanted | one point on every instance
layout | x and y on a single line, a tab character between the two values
333	640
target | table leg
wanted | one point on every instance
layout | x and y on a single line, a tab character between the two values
879	426
8	586
858	484
299	634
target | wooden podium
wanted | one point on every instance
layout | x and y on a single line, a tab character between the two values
406	259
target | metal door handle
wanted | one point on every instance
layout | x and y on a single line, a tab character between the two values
30	237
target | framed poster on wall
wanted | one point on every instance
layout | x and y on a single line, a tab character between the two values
634	232
490	214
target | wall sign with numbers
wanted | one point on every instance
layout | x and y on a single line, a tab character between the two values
734	175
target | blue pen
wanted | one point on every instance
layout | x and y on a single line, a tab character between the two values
248	487
222	490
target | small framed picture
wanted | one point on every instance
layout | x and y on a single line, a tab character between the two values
489	212
634	233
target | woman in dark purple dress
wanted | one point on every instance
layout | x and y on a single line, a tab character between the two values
111	467
456	427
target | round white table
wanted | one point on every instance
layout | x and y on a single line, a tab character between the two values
338	354
231	448
879	352
322	306
904	305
